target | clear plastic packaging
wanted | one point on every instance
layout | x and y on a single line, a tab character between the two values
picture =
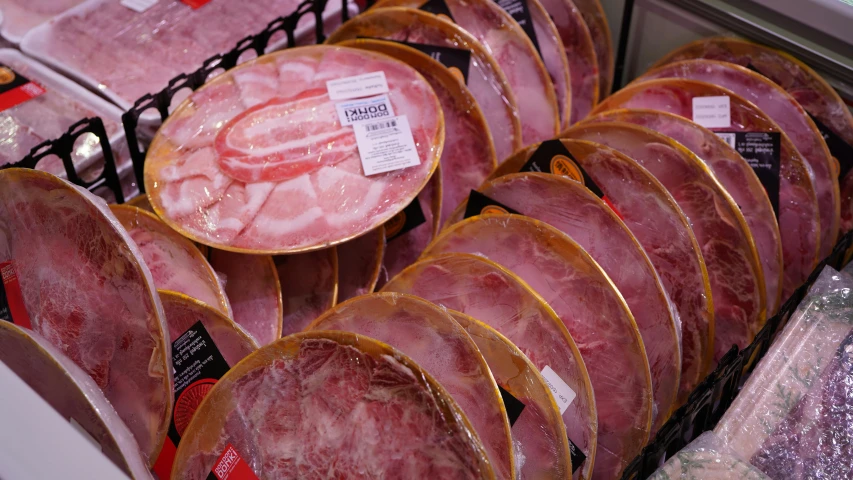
707	458
87	290
359	264
486	291
309	286
430	336
20	16
799	215
596	21
371	405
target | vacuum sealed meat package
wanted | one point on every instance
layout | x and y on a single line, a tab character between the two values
707	458
309	286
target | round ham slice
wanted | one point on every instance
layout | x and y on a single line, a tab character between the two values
329	404
469	155
599	30
486	291
734	174
661	227
309	286
430	336
799	216
486	80
72	393
538	435
788	114
359	264
175	262
736	277
254	292
587	303
86	290
553	55
516	56
243	170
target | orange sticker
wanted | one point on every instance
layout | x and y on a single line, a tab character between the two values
393	226
493	209
563	165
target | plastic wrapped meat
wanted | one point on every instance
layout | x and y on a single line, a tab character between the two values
734	174
599	30
488	292
580	52
175	263
238	166
430	336
359	264
469	155
329	404
707	458
85	288
785	111
254	292
731	259
799	216
309	286
792	417
486	81
660	226
589	306
19	16
516	56
539	439
72	393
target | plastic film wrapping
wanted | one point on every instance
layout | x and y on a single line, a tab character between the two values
86	289
707	458
359	264
516	56
486	80
309	286
783	109
19	16
376	408
238	166
430	336
72	393
599	30
488	292
799	216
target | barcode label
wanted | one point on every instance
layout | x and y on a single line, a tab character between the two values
386	145
729	138
381	125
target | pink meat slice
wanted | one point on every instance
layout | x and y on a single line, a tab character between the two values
788	114
595	19
254	292
734	174
309	284
799	216
489	293
88	292
431	337
72	393
359	264
589	306
329	404
553	54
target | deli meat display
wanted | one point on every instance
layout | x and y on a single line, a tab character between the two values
405	239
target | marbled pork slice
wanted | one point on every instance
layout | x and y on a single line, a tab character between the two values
360	263
596	21
734	270
554	57
87	291
486	80
329	404
469	155
255	180
539	439
254	292
799	215
788	114
429	335
175	263
660	226
516	56
734	174
707	458
72	393
309	286
486	291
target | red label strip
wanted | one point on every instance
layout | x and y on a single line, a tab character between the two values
19	95
231	466
196	3
14	296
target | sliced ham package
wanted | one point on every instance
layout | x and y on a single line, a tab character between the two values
20	16
660	226
482	73
599	30
281	412
707	458
359	264
517	57
74	275
260	160
488	292
309	286
794	194
430	336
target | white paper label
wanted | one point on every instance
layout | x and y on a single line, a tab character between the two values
563	394
138	5
729	138
358	86
712	112
386	145
86	434
364	110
